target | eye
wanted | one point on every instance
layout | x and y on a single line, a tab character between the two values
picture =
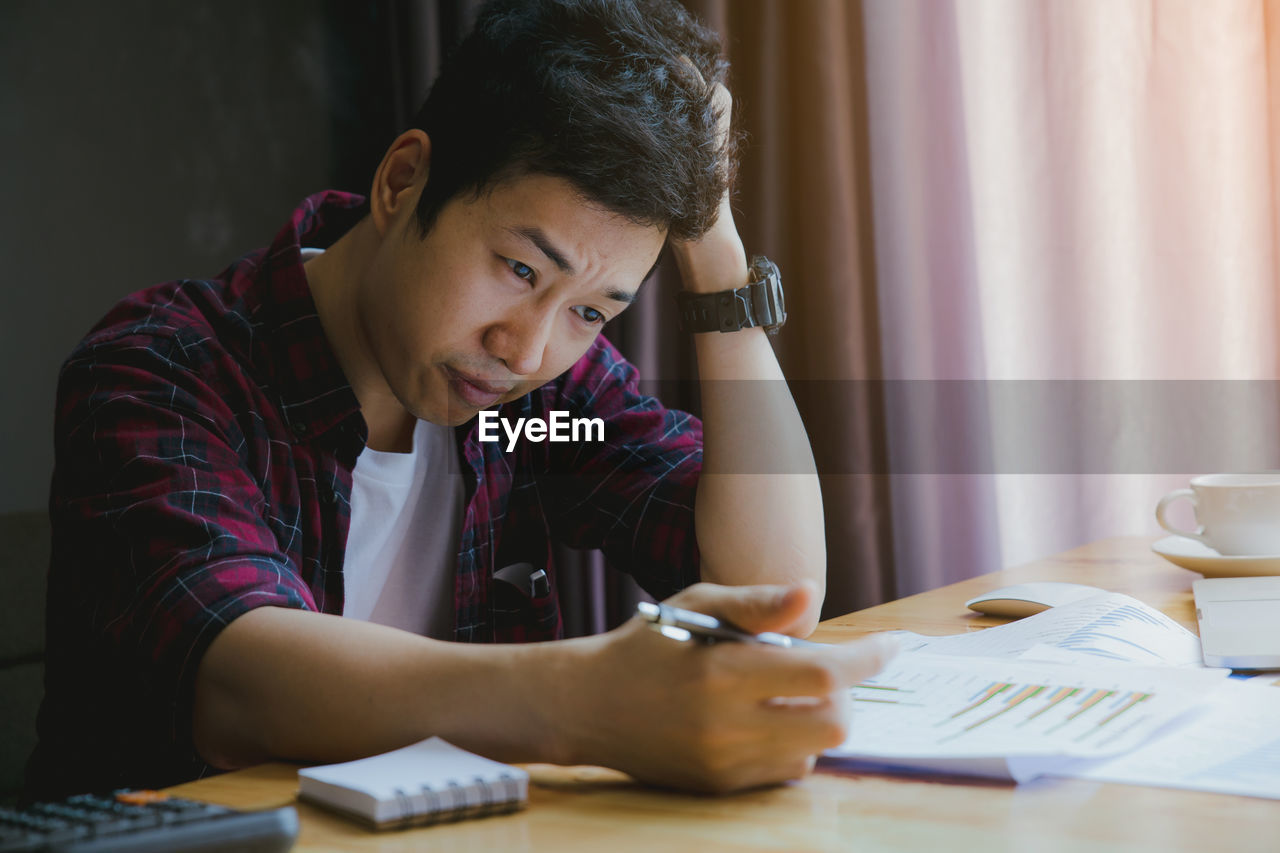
523	271
590	315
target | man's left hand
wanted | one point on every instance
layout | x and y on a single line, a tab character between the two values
717	260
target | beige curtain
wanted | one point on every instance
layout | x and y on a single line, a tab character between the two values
805	200
1078	196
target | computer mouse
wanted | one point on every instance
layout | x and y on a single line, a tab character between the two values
1026	599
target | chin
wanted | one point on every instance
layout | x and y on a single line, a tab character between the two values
456	419
452	414
449	416
438	405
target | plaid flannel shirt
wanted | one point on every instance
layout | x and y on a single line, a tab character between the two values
204	442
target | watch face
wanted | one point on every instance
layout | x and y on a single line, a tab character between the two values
766	271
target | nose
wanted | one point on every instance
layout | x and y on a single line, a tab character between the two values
520	340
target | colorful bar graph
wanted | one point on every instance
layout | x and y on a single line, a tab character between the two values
923	706
1087	704
1062	695
994	689
1028	692
1134	699
1089	701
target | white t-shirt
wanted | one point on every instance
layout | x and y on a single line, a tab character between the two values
406	518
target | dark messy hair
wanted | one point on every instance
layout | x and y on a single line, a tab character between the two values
613	95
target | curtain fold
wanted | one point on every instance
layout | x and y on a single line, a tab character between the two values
804	200
1074	201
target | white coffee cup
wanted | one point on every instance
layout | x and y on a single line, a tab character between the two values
1238	514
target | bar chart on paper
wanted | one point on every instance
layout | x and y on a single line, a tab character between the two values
951	706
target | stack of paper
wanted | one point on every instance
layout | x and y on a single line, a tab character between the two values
1110	626
1106	688
1232	746
1011	717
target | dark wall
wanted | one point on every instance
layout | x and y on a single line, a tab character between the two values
139	142
143	141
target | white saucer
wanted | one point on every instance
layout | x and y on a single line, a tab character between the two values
1190	554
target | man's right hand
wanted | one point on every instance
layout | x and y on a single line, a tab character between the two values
294	684
715	718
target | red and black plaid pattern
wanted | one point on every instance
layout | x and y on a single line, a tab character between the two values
205	437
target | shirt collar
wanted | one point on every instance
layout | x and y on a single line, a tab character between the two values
314	392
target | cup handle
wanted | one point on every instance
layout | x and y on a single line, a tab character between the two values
1163	506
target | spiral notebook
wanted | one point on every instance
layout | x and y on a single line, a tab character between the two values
429	782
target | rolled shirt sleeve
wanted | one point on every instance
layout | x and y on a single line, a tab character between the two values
161	537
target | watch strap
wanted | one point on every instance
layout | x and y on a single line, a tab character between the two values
757	303
724	311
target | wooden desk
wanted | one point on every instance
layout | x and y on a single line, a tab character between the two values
592	809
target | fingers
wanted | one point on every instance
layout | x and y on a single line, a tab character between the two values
861	659
762	607
732	715
765	672
808	727
800	671
791	737
766	744
723	103
805	596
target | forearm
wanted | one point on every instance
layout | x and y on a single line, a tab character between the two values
280	683
758	511
759	505
294	684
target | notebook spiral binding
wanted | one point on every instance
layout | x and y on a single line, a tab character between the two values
500	798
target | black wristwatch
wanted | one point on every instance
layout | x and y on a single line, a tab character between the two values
758	303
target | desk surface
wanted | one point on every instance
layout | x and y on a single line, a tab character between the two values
592	809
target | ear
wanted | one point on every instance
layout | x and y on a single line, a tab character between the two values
400	178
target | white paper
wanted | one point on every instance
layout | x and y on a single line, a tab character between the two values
923	707
1113	626
1232	746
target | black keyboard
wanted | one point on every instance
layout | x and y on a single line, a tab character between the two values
141	822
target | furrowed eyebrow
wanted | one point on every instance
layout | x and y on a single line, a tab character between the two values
535	236
629	297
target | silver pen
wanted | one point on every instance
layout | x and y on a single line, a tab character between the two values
685	625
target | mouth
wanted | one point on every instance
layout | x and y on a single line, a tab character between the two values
475	391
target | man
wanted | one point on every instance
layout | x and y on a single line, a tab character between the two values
279	533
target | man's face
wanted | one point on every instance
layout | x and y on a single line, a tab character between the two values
505	293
